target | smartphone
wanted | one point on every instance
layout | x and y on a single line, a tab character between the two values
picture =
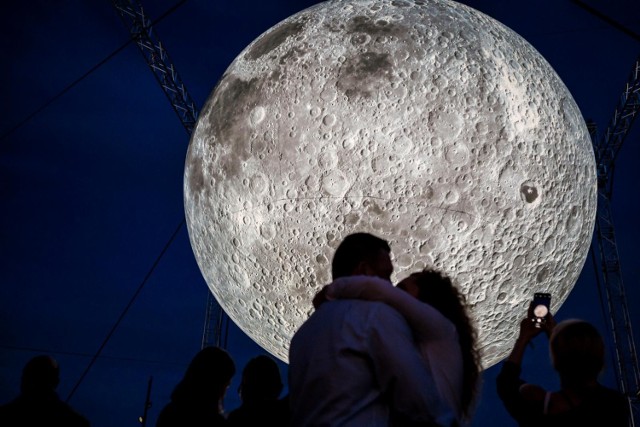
541	303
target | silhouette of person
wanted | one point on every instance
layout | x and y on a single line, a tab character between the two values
197	399
38	403
355	362
437	315
259	390
577	354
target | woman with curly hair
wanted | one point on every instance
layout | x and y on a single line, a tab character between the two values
436	312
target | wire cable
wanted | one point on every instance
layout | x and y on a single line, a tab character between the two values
74	83
126	309
87	355
63	91
149	273
608	20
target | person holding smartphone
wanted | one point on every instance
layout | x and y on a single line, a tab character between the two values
577	354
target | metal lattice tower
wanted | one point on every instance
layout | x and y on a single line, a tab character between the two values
606	150
156	56
158	60
216	325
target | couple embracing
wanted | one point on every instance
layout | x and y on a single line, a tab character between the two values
376	355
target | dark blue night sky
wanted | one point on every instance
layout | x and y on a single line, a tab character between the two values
91	187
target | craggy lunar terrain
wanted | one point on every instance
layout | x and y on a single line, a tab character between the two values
423	122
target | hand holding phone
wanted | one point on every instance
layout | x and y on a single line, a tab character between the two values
541	303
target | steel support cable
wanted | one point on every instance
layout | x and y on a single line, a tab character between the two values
126	309
74	83
87	355
608	20
165	248
151	270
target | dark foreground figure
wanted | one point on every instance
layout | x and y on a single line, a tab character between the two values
355	362
577	354
437	313
197	399
38	403
260	391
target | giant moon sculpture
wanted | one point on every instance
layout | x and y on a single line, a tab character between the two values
424	122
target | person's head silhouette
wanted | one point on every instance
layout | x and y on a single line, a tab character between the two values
577	351
207	376
362	253
40	374
261	380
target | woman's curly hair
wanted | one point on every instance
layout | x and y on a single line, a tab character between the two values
438	291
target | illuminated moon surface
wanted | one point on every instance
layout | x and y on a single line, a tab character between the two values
424	122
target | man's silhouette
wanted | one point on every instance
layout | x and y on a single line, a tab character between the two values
354	362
